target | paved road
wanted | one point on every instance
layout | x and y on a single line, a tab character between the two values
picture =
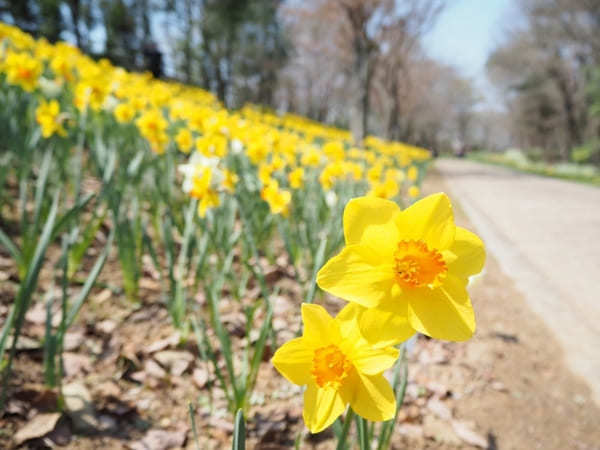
545	233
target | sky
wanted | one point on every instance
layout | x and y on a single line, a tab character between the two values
465	34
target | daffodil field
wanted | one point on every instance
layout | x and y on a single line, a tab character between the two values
110	178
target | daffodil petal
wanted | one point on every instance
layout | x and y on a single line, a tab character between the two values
354	275
294	361
373	398
348	319
443	313
320	329
372	361
387	324
470	253
371	221
382	326
430	220
321	407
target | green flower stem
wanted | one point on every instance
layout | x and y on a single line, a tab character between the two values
341	445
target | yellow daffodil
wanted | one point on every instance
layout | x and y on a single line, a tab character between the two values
334	150
374	173
339	367
152	126
311	157
388	189
160	94
48	117
62	64
408	267
394	174
257	152
278	199
355	171
22	70
91	93
184	140
201	188
124	112
209	200
413	173
330	174
413	191
264	173
230	179
201	183
296	178
212	145
204	179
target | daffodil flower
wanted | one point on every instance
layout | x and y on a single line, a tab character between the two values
278	199
407	270
50	119
339	367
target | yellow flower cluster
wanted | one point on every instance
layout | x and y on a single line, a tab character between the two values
284	150
401	272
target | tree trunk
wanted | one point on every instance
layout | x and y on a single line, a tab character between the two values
187	49
145	17
75	16
569	107
363	48
365	104
227	79
221	84
364	72
394	115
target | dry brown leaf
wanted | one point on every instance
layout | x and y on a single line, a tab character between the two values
153	369
150	284
24	343
200	377
440	430
73	340
172	340
108	389
37	427
439	408
36	313
104	295
411	430
76	364
107	326
467	434
176	362
160	440
220	424
78	405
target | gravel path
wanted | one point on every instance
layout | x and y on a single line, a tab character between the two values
545	234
